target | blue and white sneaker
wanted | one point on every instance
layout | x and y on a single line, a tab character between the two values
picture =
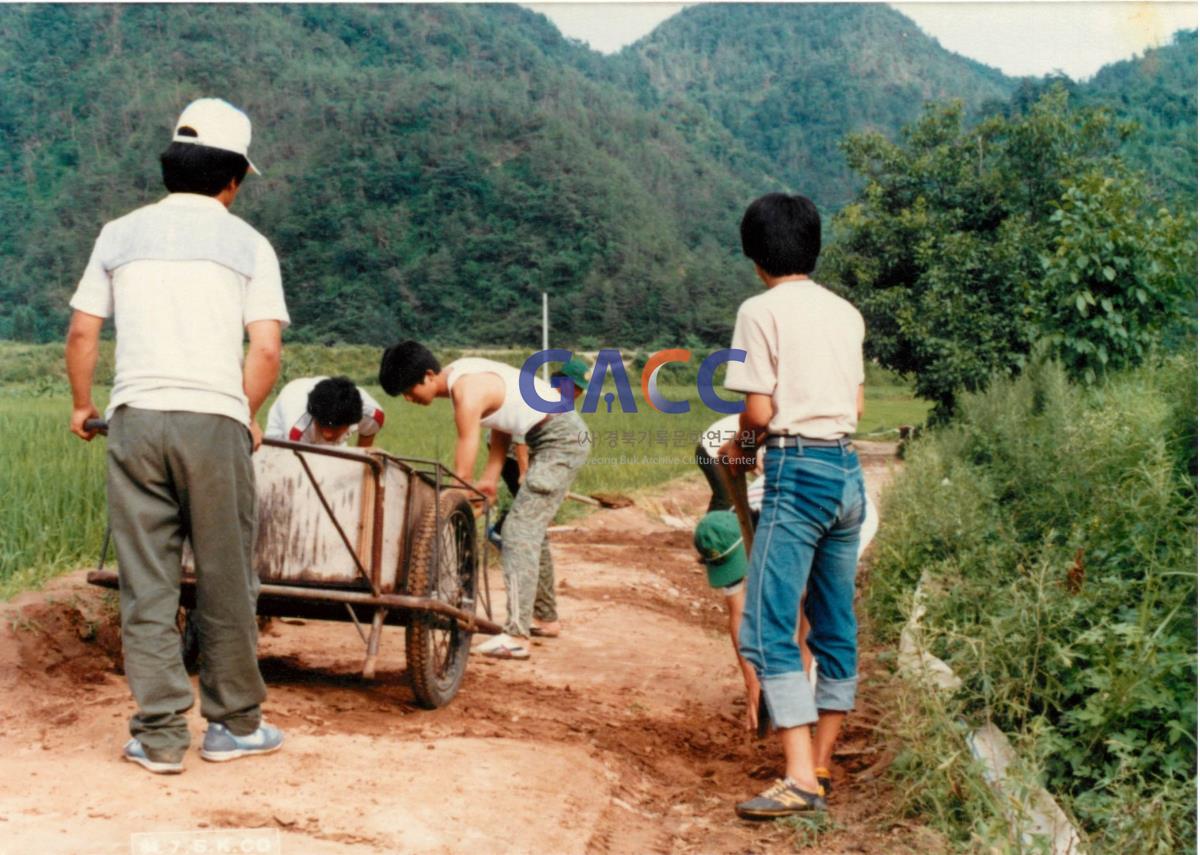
221	745
135	752
494	538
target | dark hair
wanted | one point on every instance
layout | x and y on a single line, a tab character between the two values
335	402
191	168
782	234
404	365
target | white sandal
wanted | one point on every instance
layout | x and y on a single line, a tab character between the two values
503	646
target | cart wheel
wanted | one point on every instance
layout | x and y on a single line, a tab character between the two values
189	639
435	645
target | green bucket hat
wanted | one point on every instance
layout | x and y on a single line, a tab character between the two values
718	539
576	369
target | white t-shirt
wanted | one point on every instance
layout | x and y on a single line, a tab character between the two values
514	416
290	419
803	347
181	278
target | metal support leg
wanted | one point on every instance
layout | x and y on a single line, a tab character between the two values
357	625
368	670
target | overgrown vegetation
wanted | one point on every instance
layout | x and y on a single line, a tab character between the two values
1121	276
1055	527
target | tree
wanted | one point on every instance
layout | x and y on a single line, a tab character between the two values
942	249
1116	277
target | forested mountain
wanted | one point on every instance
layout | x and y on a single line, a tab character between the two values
791	80
1158	92
430	170
1154	97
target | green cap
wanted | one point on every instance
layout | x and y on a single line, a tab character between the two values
718	539
576	369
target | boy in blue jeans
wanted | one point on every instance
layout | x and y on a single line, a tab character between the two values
803	381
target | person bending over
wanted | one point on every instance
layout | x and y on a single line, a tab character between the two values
486	394
324	411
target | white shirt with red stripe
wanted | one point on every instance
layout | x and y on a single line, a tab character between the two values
290	419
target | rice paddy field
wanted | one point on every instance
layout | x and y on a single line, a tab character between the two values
52	517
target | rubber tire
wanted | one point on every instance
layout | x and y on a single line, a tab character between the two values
436	677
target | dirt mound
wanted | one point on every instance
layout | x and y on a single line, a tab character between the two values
67	639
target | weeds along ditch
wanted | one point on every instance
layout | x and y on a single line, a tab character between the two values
1055	528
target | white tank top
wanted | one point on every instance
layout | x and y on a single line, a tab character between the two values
514	416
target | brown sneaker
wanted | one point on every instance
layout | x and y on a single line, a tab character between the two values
783	798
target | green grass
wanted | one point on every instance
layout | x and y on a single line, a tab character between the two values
53	515
886	410
889	404
39	367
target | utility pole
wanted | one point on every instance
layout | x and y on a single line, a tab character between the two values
545	333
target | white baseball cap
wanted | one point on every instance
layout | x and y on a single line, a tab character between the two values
217	124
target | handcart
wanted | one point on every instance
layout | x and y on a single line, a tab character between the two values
372	539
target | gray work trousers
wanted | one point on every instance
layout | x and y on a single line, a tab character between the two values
176	475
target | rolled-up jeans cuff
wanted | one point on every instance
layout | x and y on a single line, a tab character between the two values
836	695
790	700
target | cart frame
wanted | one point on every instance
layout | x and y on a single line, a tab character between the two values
323	602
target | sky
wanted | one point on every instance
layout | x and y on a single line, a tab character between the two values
1030	38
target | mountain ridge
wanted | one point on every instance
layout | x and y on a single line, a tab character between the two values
729	58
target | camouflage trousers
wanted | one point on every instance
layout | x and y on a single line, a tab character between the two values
545	605
557	450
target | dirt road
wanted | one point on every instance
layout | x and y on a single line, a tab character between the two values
623	735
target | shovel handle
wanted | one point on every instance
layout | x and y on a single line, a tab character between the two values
98	425
586	500
735	485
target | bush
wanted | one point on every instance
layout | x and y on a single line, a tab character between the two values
1056	530
942	249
